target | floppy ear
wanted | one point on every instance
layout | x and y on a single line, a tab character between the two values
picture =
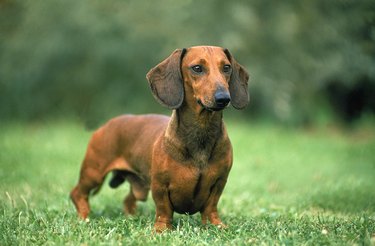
238	87
165	80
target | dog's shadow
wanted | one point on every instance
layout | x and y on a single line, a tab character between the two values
144	217
114	212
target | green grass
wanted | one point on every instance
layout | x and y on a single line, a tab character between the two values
287	186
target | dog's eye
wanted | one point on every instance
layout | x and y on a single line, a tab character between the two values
197	68
227	68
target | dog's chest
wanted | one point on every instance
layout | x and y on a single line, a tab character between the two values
190	189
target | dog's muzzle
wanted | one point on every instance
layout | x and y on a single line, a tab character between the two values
222	99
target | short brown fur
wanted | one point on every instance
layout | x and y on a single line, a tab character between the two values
184	159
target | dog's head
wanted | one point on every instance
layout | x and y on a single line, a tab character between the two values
205	75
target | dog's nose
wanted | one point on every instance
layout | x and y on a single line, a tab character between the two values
222	98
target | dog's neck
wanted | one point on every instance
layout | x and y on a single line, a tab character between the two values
191	135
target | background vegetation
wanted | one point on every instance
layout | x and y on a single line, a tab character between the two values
89	58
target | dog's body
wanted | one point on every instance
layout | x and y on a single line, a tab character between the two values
185	159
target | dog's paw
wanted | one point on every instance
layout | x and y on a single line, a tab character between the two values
161	227
221	226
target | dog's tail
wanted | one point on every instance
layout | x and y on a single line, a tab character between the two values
96	190
117	179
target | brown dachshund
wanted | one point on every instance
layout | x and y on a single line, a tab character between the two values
185	159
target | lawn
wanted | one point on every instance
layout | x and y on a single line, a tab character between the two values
312	186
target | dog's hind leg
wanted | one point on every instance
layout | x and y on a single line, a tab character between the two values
138	192
90	180
117	179
130	203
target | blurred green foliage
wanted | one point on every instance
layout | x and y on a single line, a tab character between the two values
89	58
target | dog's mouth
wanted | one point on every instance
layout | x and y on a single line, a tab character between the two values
212	109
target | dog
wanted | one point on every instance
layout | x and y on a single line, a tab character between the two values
184	159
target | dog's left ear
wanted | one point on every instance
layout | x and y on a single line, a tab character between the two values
238	87
165	80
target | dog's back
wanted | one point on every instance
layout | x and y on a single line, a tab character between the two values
124	145
128	137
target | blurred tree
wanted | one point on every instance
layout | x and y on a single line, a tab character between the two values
90	57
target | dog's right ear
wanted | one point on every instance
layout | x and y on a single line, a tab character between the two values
166	82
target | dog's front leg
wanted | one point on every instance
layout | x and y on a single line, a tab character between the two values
209	211
164	211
